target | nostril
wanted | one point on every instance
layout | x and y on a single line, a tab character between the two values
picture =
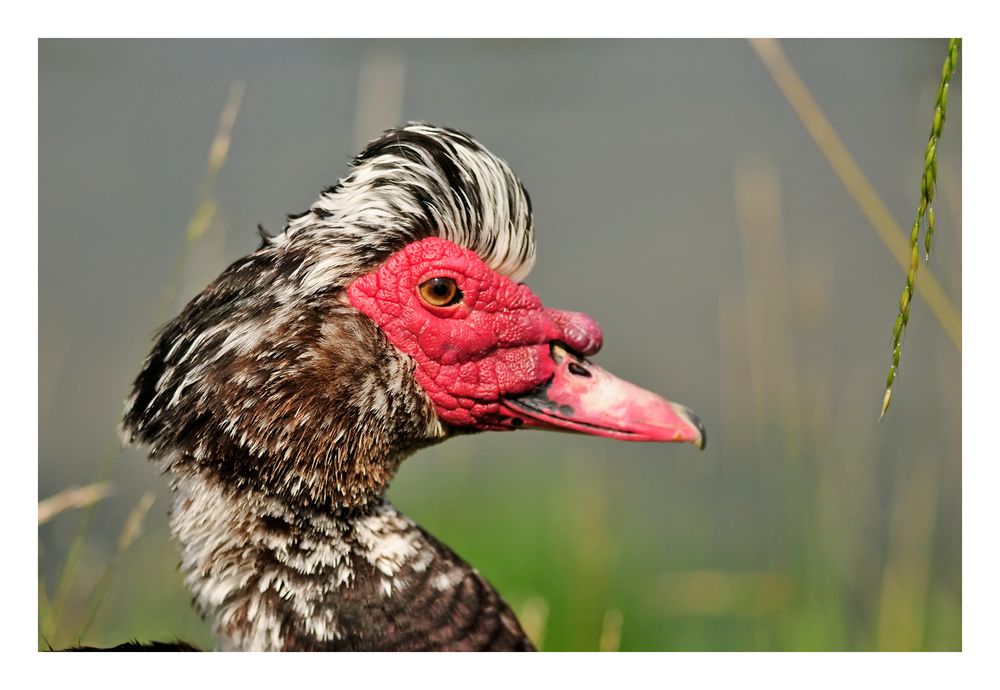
575	368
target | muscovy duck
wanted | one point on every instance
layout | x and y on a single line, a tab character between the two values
282	399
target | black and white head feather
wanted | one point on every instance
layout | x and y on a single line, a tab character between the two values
270	379
412	183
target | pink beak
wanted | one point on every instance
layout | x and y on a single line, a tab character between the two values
585	398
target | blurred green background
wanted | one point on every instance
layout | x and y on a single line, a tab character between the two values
678	200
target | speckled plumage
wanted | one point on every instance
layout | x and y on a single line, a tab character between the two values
280	413
355	579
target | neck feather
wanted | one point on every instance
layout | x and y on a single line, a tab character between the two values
278	576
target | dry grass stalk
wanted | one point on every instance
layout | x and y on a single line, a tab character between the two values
611	631
73	498
130	532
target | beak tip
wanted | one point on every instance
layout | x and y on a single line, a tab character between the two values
691	418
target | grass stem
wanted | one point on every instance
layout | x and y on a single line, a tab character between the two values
854	180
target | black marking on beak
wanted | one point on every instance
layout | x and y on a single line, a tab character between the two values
695	422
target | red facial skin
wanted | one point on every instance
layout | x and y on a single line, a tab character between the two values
493	343
494	360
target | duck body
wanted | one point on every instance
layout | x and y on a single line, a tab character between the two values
281	401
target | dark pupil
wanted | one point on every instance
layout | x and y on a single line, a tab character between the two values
441	288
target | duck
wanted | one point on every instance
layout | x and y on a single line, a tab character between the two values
280	402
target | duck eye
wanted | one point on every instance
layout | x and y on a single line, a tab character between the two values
440	292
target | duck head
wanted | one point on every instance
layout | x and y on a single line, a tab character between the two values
386	318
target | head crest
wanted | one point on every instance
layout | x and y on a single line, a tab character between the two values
414	182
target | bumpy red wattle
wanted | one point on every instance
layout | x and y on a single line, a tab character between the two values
494	342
